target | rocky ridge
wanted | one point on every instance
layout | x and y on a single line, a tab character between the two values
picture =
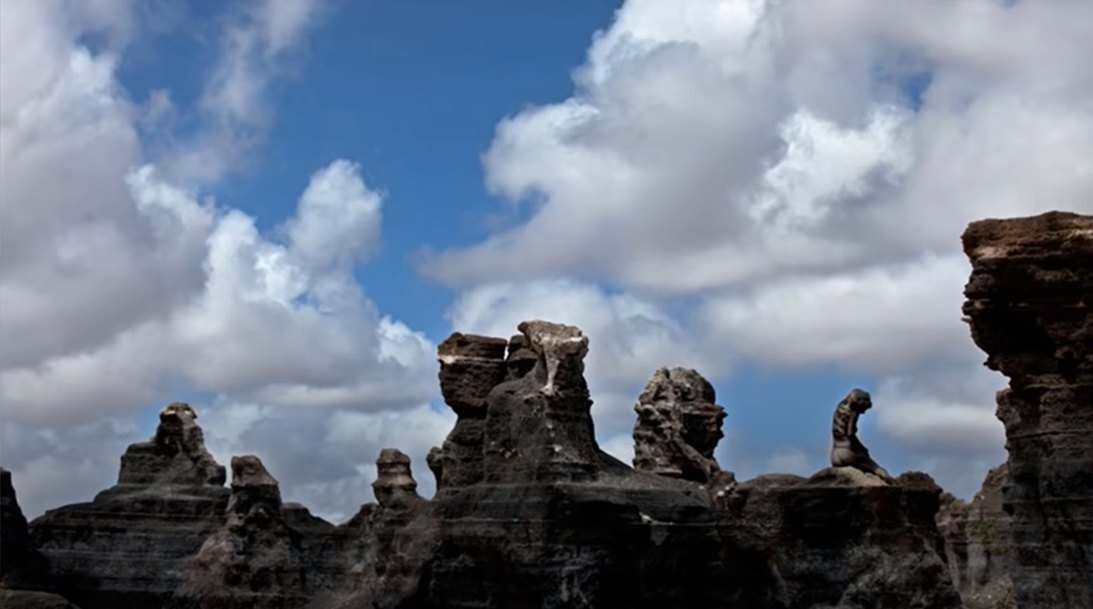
530	512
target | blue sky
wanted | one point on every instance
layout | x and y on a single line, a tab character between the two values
276	209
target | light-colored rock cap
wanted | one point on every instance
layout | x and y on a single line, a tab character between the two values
556	345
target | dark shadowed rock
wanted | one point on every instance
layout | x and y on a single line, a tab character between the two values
470	366
678	426
978	545
21	565
175	455
254	559
1029	306
842	538
129	546
394	484
27	599
554	522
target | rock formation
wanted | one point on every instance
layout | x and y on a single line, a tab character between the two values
128	547
470	366
254	559
846	449
1029	306
531	513
978	545
840	538
678	427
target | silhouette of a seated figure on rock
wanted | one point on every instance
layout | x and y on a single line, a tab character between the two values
846	449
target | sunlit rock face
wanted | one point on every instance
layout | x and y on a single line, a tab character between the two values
1030	309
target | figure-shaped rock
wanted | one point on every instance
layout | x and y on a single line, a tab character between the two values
846	449
175	455
678	426
254	559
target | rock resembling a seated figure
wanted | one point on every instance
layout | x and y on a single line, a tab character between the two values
846	449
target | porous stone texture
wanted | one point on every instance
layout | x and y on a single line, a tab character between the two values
978	545
128	547
841	539
470	366
1029	306
678	426
254	559
553	521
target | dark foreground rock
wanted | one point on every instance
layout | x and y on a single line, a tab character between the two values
1030	310
841	538
978	545
128	547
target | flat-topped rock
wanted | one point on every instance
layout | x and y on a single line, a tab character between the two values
840	538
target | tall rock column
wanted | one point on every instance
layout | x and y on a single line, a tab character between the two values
1030	306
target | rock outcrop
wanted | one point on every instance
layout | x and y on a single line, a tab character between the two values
1030	308
553	521
678	426
529	513
21	565
841	538
254	559
978	545
128	547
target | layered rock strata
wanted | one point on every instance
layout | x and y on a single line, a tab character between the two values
1030	309
128	547
553	521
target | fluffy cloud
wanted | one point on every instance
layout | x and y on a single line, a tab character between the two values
123	288
803	172
259	43
710	143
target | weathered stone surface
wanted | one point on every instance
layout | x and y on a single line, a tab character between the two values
554	522
254	559
1029	306
832	541
128	547
530	513
394	484
470	366
678	426
846	449
175	455
978	545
